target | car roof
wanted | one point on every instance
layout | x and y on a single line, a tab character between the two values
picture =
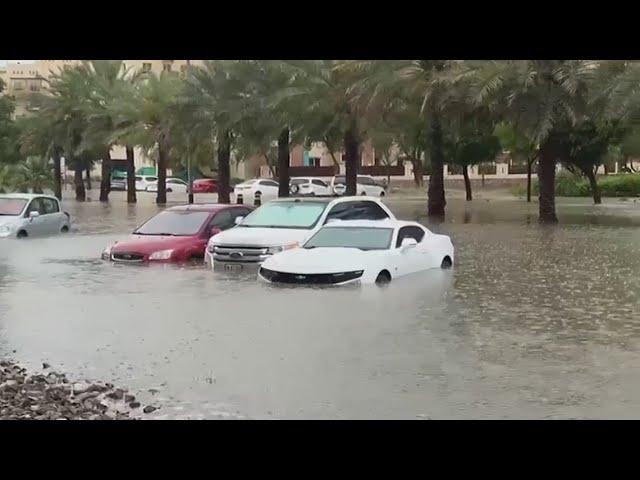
206	207
327	199
387	223
26	196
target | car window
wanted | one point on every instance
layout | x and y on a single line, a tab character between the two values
359	210
298	181
409	232
12	206
363	238
320	183
138	179
50	205
340	180
35	206
152	179
223	220
268	183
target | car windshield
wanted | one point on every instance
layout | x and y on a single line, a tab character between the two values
363	238
178	223
12	206
285	215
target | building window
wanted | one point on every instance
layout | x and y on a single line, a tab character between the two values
18	85
146	67
166	67
34	87
314	161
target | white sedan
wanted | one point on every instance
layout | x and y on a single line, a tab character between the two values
143	181
176	185
268	190
360	251
30	215
366	185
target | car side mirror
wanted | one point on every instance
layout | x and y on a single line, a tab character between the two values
34	214
238	220
408	243
214	231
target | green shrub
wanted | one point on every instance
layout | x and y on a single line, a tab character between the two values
569	185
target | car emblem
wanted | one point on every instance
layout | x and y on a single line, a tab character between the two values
301	277
236	255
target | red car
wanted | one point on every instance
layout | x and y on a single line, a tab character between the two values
177	234
205	185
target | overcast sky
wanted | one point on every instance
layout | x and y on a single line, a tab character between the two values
4	62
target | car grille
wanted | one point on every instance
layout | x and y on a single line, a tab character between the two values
309	279
239	254
127	257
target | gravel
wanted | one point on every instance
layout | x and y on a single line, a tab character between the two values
26	396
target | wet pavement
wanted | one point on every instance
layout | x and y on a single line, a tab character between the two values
532	322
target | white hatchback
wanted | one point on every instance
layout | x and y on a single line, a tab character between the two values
30	215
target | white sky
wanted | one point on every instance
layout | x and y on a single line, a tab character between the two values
3	63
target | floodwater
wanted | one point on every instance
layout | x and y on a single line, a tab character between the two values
532	322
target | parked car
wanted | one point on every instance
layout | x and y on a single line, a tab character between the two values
205	185
268	189
30	215
177	234
176	185
282	224
360	251
309	186
143	181
366	185
119	183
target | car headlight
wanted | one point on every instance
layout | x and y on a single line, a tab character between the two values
161	255
281	248
5	231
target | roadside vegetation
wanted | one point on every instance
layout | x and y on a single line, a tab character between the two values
578	113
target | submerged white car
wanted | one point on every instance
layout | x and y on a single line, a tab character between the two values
268	190
176	185
309	186
361	251
283	224
366	185
29	215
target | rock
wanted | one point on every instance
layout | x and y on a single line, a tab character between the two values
129	398
134	405
117	394
45	365
153	391
80	387
149	409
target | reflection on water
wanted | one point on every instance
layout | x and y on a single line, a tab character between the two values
532	322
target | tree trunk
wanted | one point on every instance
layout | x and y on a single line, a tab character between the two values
131	176
529	167
224	168
57	175
81	194
88	172
161	197
436	201
105	173
351	161
595	189
283	163
416	164
546	181
467	182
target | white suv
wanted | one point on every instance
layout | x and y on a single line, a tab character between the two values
282	224
143	181
366	185
309	186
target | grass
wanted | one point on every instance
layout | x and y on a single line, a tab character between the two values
569	185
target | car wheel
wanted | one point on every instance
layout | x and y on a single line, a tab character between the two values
22	234
383	278
364	194
382	194
446	262
64	229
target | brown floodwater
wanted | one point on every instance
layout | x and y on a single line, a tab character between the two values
532	322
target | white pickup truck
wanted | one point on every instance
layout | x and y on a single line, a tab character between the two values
282	224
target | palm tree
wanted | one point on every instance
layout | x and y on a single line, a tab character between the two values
33	174
102	78
545	98
142	115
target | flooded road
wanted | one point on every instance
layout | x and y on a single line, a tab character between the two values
532	322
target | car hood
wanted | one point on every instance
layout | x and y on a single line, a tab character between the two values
148	244
321	260
260	236
9	220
